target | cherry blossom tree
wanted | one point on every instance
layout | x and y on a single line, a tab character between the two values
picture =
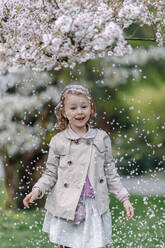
27	102
51	34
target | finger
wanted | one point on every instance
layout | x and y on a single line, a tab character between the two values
130	213
127	212
127	215
27	200
32	199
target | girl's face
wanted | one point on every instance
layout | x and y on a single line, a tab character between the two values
77	110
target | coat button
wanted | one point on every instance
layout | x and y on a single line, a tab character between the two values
69	162
65	185
88	142
101	180
76	141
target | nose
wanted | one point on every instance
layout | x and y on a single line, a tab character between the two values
79	110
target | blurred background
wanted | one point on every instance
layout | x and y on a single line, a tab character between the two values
129	94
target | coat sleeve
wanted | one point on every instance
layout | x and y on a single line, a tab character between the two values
49	176
113	179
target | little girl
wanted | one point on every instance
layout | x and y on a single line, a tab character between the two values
80	171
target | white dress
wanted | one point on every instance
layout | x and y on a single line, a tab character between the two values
94	232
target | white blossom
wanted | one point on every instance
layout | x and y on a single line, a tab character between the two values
118	69
29	80
49	34
18	135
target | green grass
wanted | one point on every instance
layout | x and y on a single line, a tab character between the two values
147	227
22	229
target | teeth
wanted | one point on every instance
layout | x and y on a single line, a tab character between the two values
79	118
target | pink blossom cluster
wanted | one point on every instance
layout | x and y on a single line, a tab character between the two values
51	34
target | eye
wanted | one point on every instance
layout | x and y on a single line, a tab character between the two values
84	107
73	108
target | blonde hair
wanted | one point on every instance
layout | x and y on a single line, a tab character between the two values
62	122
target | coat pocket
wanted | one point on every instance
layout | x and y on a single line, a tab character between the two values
66	161
99	145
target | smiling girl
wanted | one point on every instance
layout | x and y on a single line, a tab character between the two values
80	172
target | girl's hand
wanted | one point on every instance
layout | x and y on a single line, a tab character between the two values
31	197
129	209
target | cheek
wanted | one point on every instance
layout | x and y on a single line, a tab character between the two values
68	115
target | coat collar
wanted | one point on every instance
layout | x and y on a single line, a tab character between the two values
70	134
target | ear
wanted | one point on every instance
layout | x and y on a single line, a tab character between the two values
63	113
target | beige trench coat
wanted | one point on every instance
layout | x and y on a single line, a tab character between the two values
69	161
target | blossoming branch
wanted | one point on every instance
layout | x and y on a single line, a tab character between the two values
51	34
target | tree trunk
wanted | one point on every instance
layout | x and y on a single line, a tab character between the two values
20	178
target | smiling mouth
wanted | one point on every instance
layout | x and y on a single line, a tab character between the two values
80	118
